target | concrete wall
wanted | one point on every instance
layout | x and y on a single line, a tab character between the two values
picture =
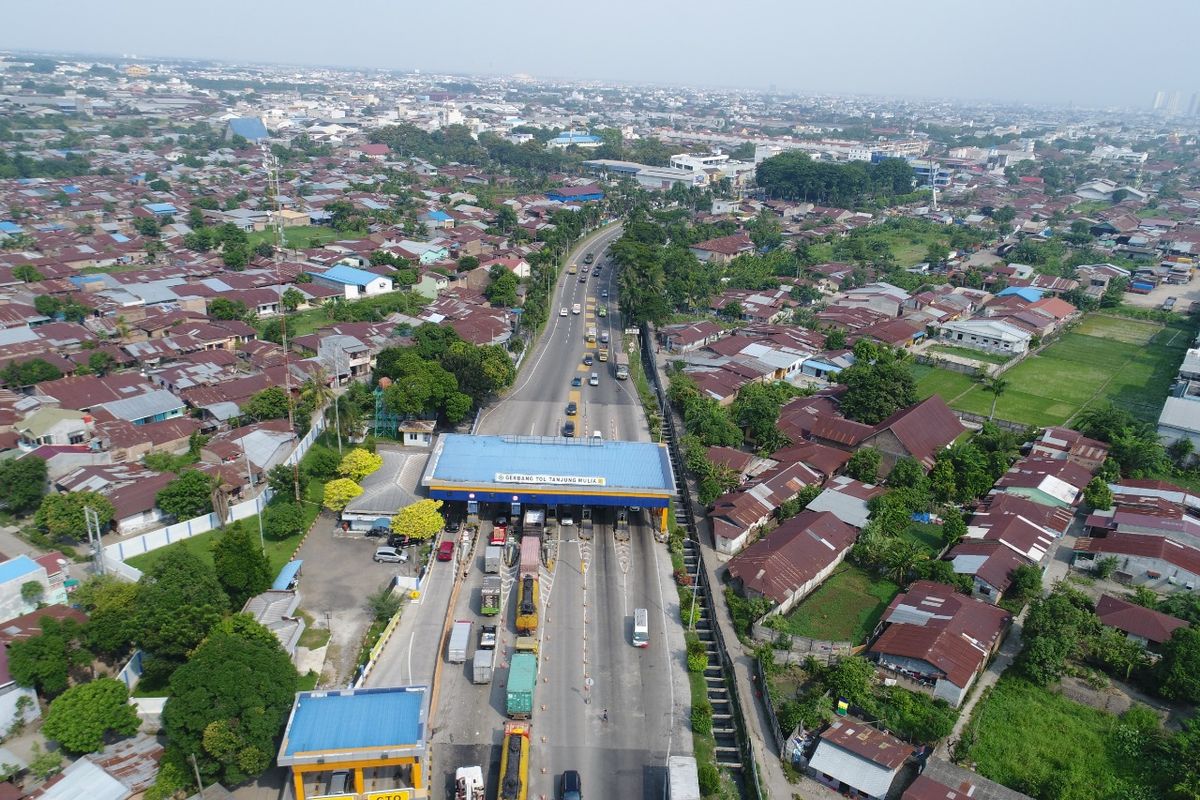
1140	567
12	604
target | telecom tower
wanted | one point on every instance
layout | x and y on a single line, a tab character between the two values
271	165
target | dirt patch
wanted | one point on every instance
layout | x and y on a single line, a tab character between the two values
1108	698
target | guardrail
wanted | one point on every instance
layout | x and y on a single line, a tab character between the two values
749	767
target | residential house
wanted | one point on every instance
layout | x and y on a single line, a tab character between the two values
1180	420
854	757
121	771
155	405
1156	562
988	335
50	425
723	249
687	337
846	499
943	780
882	298
15	573
356	283
798	555
939	638
1150	629
990	563
919	432
132	490
1045	480
736	515
1064	443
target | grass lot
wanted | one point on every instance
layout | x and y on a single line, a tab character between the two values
926	534
846	607
297	238
974	355
1130	363
1045	745
278	552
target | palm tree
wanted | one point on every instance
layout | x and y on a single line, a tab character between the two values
901	556
996	386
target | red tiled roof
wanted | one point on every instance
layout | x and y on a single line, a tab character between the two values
1151	625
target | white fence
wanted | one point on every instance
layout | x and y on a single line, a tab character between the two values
115	554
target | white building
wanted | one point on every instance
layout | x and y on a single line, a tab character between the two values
354	282
990	336
1180	419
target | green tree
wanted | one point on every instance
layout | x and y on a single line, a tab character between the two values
502	291
420	520
111	606
850	679
877	389
241	565
1097	494
1004	215
61	515
101	363
954	527
270	403
291	299
937	253
228	703
189	495
24	482
864	465
179	599
83	716
996	387
224	308
27	273
29	372
44	662
283	520
835	339
44	763
1178	673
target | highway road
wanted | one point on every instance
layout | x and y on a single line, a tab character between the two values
587	663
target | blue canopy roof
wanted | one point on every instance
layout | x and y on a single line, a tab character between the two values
287	575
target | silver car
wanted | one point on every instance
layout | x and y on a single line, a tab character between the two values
391	555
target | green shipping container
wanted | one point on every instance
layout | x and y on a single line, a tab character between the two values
522	677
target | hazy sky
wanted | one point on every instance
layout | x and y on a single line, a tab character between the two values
1092	52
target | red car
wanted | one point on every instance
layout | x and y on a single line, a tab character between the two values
445	551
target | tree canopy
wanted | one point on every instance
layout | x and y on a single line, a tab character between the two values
876	389
189	495
242	567
45	661
83	716
795	176
178	601
228	703
61	515
24	482
420	520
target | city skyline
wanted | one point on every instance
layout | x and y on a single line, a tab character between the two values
946	52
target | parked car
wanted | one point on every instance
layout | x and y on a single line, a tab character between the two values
398	540
445	551
377	531
390	555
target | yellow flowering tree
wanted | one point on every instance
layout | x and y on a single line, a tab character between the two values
420	520
339	492
359	463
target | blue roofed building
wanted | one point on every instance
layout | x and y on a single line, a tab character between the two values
575	194
10	227
14	573
354	283
249	128
1024	292
549	471
161	209
375	737
575	138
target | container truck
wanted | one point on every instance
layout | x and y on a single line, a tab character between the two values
514	763
489	596
493	557
460	640
535	522
481	666
622	359
468	783
527	604
518	693
531	555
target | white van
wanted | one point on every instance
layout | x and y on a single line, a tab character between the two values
641	627
594	380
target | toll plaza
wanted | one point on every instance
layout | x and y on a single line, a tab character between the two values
550	472
357	744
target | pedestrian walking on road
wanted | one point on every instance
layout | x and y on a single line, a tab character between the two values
606	715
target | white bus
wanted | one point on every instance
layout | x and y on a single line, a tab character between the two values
641	627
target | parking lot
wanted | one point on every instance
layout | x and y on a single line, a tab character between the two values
339	575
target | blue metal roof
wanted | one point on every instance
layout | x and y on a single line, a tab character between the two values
440	216
477	460
251	128
286	575
350	275
1024	292
161	208
10	227
355	719
17	567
